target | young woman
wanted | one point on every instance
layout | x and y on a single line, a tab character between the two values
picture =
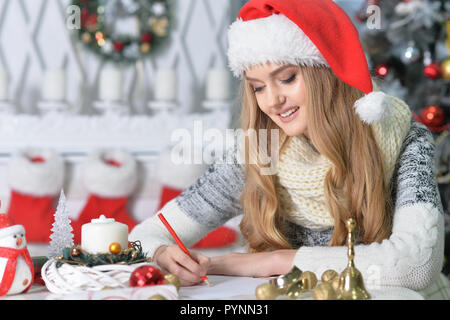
345	151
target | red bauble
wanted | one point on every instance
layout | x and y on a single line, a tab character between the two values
118	46
146	276
433	71
433	116
146	38
382	70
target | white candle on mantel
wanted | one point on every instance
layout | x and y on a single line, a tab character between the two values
4	85
111	85
54	85
218	86
99	234
166	85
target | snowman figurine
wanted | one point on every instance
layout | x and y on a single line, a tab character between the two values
16	266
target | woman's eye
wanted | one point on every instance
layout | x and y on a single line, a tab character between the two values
290	79
257	89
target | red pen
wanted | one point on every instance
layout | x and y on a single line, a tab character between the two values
179	243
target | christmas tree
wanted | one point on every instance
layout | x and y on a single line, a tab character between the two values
62	232
408	49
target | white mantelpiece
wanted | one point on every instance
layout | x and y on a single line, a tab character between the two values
80	134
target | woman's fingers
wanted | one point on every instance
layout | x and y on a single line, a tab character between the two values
203	261
188	270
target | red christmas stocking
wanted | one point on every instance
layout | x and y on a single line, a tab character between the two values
110	176
35	178
175	178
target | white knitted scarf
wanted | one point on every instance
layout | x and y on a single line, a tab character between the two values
302	170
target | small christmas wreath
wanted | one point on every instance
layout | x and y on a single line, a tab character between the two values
122	30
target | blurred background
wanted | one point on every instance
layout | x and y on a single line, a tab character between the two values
118	77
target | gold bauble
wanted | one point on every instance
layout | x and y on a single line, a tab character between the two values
75	252
115	248
159	26
335	283
308	280
86	37
324	291
445	67
266	291
157	297
329	275
173	279
145	47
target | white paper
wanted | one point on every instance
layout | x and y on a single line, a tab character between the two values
223	287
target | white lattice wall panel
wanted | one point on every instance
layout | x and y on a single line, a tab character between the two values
34	38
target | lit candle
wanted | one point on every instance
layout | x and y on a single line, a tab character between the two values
111	85
98	235
54	85
4	85
166	85
218	84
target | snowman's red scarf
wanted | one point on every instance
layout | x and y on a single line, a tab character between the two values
10	269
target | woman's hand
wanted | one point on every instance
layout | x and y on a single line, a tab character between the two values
261	264
173	260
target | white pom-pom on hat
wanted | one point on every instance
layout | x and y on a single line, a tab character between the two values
373	107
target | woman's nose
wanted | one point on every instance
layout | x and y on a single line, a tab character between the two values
275	97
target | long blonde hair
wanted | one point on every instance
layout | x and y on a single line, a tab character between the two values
354	186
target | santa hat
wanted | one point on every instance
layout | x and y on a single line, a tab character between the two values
306	33
7	227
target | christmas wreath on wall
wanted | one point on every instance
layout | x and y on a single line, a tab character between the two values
122	30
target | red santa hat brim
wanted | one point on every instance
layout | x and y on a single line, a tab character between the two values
305	33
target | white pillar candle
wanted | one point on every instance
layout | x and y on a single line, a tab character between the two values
54	85
218	84
166	85
99	234
4	85
111	85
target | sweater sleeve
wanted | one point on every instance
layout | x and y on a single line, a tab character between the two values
413	255
210	202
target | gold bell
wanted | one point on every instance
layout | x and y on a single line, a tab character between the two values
295	290
283	282
351	283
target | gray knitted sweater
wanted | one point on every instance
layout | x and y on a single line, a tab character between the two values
410	258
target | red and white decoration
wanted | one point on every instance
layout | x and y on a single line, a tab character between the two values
177	177
16	266
35	177
110	176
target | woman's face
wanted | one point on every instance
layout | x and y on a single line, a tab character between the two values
280	93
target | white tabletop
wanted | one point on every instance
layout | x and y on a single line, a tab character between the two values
222	288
